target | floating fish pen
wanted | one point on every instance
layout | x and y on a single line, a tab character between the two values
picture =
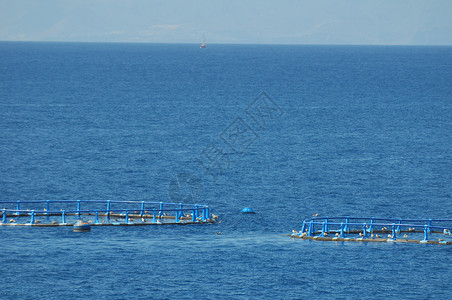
344	229
48	213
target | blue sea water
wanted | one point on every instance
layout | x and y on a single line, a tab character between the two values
290	131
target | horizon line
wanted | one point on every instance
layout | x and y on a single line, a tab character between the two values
256	44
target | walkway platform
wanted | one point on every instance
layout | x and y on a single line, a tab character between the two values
351	229
54	213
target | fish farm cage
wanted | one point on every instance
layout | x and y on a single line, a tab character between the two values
48	213
421	231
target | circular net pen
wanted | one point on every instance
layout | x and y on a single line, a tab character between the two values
48	213
421	231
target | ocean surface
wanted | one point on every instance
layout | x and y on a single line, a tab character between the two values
290	131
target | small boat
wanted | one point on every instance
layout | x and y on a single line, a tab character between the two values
203	45
81	226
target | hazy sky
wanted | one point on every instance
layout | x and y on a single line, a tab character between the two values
410	22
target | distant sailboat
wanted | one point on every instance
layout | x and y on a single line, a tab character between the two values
203	45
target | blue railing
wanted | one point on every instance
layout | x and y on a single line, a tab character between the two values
370	227
103	211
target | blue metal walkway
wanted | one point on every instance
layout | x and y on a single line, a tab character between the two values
431	231
46	213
